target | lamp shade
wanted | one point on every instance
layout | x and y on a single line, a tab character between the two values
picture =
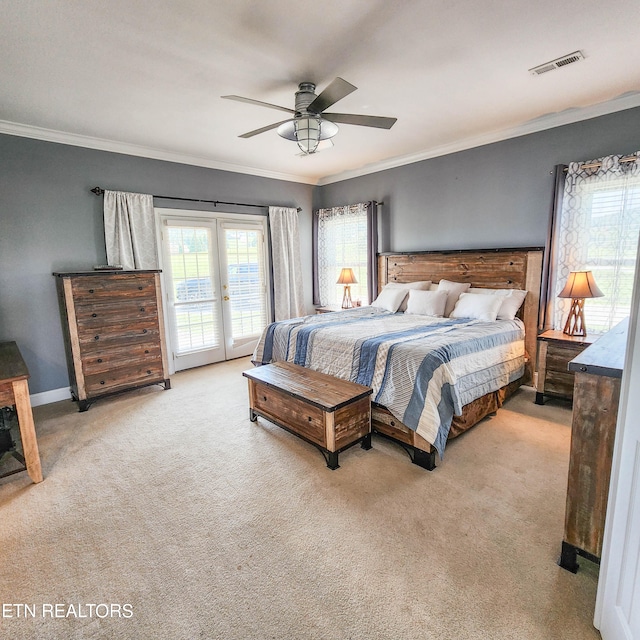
581	284
347	277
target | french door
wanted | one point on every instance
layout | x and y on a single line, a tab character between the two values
215	281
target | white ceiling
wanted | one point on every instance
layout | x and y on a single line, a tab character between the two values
145	76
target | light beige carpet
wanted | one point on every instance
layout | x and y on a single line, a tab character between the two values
210	526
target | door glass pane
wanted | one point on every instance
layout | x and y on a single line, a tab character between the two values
246	280
193	289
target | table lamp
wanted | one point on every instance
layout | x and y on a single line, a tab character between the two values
347	278
580	285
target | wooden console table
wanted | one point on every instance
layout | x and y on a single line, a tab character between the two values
14	390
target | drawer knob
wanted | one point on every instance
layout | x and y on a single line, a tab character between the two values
146	350
96	337
583	368
99	359
144	331
309	418
101	381
140	288
90	290
392	423
264	398
94	315
141	308
149	371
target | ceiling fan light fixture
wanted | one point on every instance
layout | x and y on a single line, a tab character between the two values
307	130
308	127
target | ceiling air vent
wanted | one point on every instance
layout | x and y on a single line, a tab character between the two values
557	63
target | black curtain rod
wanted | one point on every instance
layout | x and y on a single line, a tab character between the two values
100	191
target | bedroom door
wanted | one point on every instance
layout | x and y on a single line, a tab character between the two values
618	601
192	283
215	280
245	306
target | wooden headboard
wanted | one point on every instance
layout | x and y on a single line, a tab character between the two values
482	268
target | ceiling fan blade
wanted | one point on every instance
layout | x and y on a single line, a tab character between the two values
255	132
336	90
258	103
379	122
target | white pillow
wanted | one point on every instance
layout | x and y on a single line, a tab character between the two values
390	298
427	303
512	300
420	284
477	306
454	289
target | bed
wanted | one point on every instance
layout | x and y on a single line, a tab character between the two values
433	378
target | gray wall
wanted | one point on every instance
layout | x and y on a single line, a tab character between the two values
497	195
49	221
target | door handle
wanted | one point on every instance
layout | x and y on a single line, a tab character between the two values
226	298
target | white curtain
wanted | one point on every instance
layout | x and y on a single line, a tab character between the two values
129	230
598	230
287	267
343	240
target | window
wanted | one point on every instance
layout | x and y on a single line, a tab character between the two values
598	229
345	237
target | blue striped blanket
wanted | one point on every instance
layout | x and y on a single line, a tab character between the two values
422	369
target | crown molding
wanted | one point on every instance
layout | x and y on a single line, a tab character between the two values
101	144
568	116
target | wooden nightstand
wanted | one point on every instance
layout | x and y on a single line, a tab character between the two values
555	350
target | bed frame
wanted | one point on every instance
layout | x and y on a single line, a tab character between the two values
487	268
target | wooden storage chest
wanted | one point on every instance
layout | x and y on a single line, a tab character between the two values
330	413
114	331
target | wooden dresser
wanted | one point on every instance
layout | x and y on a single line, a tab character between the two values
596	394
114	332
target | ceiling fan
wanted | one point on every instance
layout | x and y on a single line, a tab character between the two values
310	123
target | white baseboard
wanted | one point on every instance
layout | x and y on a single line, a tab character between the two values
46	397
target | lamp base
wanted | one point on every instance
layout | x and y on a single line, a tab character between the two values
575	325
346	299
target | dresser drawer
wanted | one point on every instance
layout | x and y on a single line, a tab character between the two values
105	358
93	316
110	337
304	418
113	287
125	377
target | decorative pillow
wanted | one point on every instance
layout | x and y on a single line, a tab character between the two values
390	298
427	303
512	300
477	306
454	289
423	285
